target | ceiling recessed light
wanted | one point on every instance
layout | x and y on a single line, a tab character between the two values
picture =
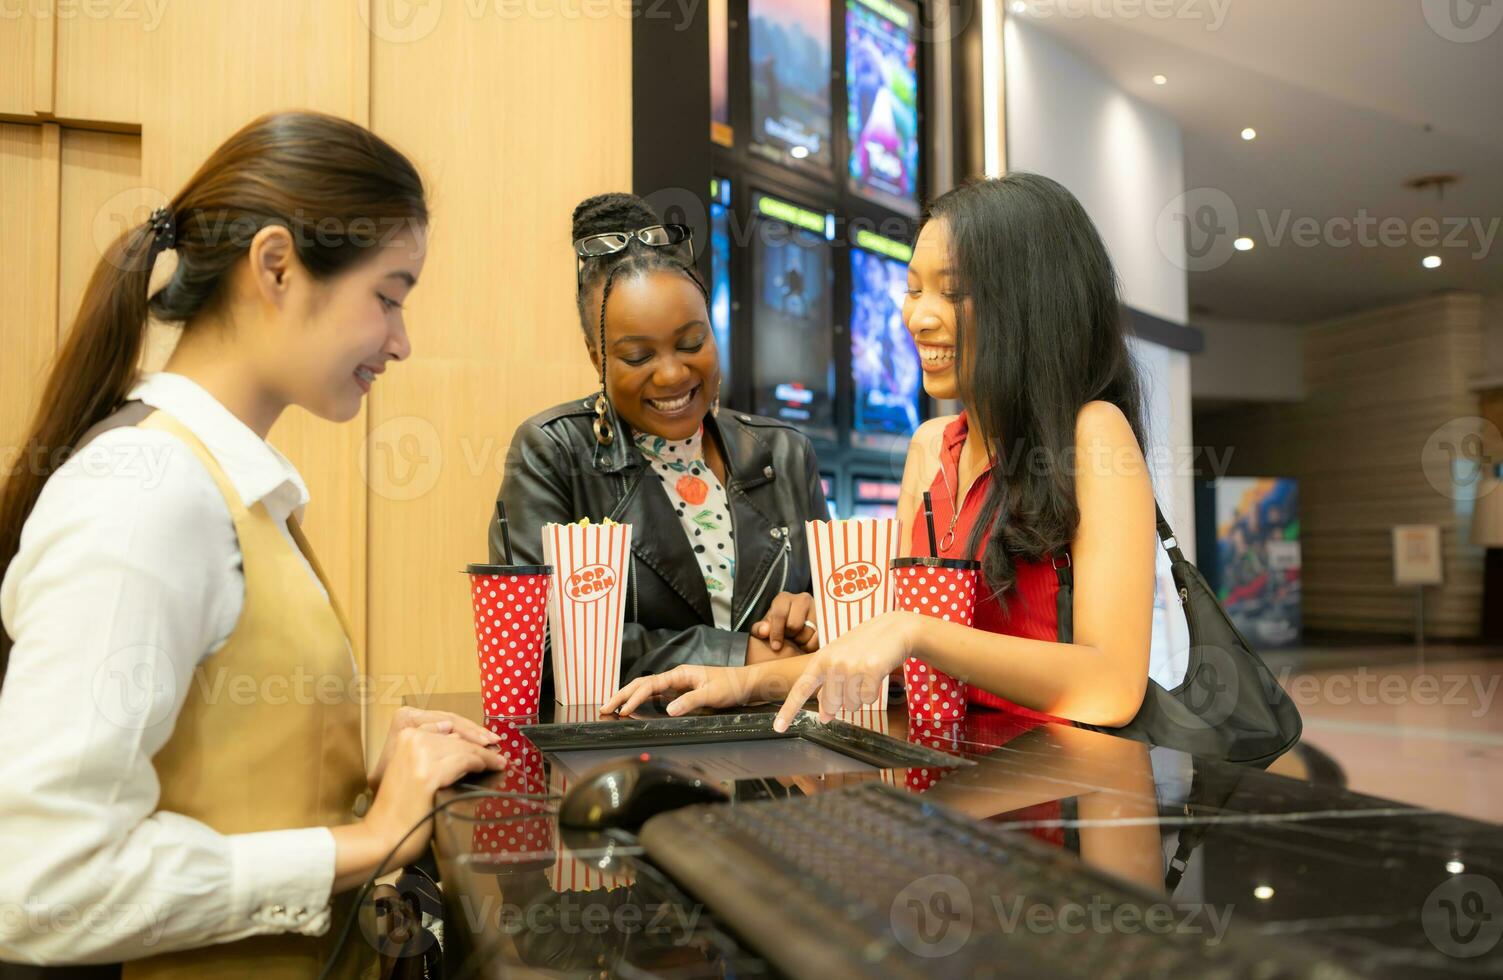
1455	867
1019	7
1245	244
798	152
1263	892
1249	133
1160	80
1432	262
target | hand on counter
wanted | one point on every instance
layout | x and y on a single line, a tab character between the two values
702	686
698	686
420	761
438	722
848	673
789	620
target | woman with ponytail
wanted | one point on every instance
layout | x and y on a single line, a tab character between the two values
178	780
717	498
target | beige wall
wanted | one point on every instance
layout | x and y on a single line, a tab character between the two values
511	124
1248	360
1384	391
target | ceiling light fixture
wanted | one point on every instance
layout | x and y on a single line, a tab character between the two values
1160	80
1432	262
1249	134
1245	244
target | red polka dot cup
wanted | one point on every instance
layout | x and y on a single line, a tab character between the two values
944	588
511	615
946	736
512	835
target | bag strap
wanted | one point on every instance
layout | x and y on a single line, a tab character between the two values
1061	561
1166	535
1064	602
1186	842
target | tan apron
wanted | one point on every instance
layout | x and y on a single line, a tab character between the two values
269	737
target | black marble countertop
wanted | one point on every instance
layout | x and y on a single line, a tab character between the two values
1384	888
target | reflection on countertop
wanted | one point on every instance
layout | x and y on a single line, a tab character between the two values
1389	889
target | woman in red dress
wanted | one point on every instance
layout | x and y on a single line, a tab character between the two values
1012	302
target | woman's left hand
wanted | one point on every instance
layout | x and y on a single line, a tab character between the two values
440	722
789	619
849	672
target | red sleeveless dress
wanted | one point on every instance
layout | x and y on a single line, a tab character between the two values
1030	610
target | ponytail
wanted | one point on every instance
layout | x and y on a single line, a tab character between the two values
89	379
299	170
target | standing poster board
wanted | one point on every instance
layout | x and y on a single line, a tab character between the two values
1258	575
1416	554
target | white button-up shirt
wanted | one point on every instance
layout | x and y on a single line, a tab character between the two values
130	548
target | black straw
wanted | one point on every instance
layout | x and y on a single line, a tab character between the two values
929	521
506	532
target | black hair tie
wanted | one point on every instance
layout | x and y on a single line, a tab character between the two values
163	230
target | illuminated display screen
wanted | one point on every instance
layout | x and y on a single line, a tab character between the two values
790	81
882	122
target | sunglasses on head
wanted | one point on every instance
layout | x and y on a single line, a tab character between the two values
611	242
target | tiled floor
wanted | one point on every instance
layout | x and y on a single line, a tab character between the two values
1427	731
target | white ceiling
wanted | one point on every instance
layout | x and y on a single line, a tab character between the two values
1350	98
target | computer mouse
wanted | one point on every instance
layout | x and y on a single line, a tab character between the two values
626	792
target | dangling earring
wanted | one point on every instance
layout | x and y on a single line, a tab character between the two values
715	405
604	432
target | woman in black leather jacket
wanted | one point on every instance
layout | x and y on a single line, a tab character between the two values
717	499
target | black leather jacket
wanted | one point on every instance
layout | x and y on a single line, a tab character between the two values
556	471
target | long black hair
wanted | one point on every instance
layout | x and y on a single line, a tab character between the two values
620	212
1043	337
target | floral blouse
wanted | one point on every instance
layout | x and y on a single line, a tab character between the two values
703	510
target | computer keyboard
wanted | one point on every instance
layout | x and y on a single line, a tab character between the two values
871	881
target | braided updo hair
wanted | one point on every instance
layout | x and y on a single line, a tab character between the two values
619	212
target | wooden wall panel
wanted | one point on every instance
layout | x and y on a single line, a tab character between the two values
28	274
1378	385
513	121
212	67
101	199
26	40
100	52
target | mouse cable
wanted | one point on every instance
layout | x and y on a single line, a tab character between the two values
370	881
543	811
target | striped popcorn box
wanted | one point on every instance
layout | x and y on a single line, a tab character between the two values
848	562
572	714
587	608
